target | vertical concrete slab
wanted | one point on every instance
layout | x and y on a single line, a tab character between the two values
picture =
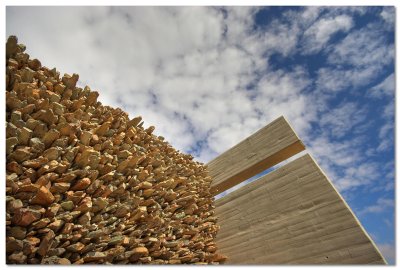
293	215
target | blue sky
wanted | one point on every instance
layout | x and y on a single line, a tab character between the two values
209	77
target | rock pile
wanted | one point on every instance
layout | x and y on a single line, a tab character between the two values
86	184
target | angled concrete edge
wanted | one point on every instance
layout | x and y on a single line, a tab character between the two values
267	147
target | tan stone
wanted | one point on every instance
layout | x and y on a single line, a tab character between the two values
52	153
24	136
21	154
55	260
60	187
41	223
70	81
56	225
17	232
45	243
81	184
76	247
43	197
138	252
94	256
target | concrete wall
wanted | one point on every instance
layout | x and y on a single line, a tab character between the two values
292	215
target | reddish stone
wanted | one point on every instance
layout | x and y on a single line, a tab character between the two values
24	217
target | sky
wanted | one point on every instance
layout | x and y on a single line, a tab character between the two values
208	77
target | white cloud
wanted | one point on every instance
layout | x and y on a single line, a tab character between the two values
362	48
389	16
382	204
357	60
386	88
342	119
318	35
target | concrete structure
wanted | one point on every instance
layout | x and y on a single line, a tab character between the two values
293	215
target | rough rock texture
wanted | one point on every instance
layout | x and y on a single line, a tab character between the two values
86	184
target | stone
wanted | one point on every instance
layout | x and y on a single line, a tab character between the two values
28	109
81	184
25	136
123	154
67	129
56	252
25	216
11	46
89	157
52	210
34	241
122	211
92	98
145	184
14	205
53	97
76	247
29	248
75	196
56	225
58	109
17	232
116	240
95	234
17	258
35	163
11	130
219	258
43	197
84	184
85	205
47	116
36	144
21	154
46	243
27	75
28	188
67	229
34	64
41	223
84	219
135	121
13	245
60	187
52	153
94	256
102	130
174	261
50	137
70	81
85	137
138	252
68	205
148	192
56	260
14	167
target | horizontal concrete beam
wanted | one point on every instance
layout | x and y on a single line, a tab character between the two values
293	215
267	147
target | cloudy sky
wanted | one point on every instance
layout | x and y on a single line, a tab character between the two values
207	77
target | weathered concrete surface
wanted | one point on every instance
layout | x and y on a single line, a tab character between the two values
267	147
293	215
